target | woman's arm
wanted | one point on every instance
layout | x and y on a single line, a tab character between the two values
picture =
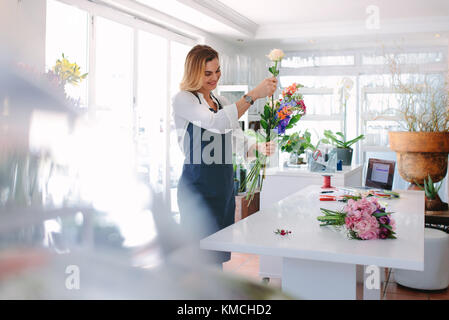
187	106
266	88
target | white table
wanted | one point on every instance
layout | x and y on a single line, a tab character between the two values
319	262
292	180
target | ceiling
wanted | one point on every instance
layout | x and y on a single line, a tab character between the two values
300	21
301	11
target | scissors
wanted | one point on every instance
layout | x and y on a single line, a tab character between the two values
326	197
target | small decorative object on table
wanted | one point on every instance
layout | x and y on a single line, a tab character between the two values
323	159
364	219
282	232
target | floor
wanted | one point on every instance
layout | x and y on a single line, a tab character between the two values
248	265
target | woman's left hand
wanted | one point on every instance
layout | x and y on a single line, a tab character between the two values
267	148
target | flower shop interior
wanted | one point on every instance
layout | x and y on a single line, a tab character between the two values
90	160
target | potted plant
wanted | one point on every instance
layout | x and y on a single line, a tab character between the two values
433	201
422	149
344	150
296	144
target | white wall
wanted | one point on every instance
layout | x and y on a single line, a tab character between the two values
22	31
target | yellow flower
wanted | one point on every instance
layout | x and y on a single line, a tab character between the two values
68	72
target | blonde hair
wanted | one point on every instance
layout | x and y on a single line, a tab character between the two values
195	65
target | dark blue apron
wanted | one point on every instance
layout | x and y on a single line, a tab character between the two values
206	197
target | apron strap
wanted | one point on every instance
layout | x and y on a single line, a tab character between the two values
213	97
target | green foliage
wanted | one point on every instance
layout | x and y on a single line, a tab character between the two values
339	140
274	69
429	188
295	142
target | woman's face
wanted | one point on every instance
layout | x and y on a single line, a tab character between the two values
212	74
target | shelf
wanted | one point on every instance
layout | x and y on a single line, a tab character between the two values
322	91
318	117
381	118
366	148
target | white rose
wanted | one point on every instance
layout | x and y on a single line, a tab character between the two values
276	55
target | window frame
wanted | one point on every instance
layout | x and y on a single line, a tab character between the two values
95	10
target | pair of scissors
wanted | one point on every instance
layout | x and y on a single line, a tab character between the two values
326	197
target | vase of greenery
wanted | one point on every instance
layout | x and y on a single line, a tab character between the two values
296	145
344	150
422	148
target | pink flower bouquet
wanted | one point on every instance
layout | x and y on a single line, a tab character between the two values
365	219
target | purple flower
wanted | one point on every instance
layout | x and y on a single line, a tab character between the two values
384	233
282	125
384	220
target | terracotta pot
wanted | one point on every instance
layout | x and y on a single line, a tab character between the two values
435	204
420	154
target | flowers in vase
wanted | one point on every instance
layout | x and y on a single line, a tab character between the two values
364	219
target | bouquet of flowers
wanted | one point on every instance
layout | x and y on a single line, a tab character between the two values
278	115
67	72
364	219
62	73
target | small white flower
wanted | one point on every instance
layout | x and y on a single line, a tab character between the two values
347	83
276	55
344	89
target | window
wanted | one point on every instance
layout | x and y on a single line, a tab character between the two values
114	73
178	53
373	105
67	33
136	69
298	61
152	105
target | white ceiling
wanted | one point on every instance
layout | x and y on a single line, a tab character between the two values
300	21
192	16
306	11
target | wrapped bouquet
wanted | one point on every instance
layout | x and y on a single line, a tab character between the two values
364	219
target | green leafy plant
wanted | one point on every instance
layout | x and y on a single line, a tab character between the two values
295	143
429	188
339	140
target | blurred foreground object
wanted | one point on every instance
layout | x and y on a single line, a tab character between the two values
76	223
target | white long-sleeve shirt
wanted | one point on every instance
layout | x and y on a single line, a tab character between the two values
187	108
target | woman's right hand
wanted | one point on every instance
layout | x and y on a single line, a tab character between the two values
266	88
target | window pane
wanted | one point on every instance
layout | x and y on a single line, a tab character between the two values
294	61
404	58
178	56
322	104
67	32
311	81
114	72
152	105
